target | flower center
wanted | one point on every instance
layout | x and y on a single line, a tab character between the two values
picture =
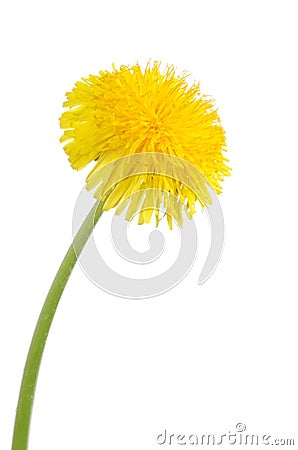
154	126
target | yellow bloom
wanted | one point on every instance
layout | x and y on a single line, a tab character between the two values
129	111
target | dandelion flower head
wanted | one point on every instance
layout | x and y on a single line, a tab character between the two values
129	111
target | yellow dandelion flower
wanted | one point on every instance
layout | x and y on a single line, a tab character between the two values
131	111
157	143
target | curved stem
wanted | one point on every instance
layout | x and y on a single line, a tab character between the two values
26	396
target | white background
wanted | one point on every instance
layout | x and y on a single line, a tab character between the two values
198	359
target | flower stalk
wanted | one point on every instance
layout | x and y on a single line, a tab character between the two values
30	375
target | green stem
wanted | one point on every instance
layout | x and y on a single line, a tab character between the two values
26	396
